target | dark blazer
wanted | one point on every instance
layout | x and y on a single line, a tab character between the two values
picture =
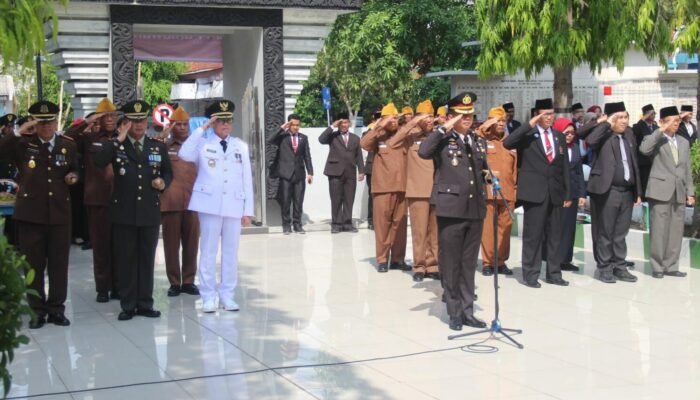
342	160
578	184
288	164
640	130
535	174
134	201
43	196
683	131
513	125
458	191
602	170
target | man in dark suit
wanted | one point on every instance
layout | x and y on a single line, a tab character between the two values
8	170
543	189
369	164
511	124
578	193
577	113
294	169
142	171
644	127
687	128
344	168
460	206
48	165
614	185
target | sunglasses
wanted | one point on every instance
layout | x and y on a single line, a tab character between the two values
225	120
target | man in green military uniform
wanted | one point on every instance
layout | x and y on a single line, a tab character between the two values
142	171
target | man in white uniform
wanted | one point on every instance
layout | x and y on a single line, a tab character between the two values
223	197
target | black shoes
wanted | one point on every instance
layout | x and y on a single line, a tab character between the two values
658	275
115	295
299	230
86	246
382	267
370	226
174	291
58	319
474	322
534	285
456	323
433	275
629	264
350	229
677	274
287	230
190	288
402	266
125	315
487	271
102	297
335	230
607	277
621	274
569	267
149	313
418	277
37	323
504	270
557	281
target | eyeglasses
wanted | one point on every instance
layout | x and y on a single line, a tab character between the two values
225	120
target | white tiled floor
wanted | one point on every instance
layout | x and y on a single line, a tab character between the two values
310	304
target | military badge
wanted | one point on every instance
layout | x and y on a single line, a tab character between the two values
32	164
122	171
212	163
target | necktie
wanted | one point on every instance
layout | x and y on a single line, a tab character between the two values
224	145
137	147
623	154
294	143
345	139
549	151
47	145
674	150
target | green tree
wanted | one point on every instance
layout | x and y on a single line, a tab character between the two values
529	35
382	52
687	17
25	86
22	26
157	78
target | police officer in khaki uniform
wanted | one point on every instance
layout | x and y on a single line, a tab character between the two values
388	191
419	185
180	225
142	171
47	166
504	164
459	199
98	188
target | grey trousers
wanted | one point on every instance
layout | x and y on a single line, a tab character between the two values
613	215
665	234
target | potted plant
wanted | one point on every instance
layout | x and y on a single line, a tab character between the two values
13	305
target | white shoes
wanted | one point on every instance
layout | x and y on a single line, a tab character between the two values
229	305
209	306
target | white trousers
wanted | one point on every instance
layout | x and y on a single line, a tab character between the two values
213	228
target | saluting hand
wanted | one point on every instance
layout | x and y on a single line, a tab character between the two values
164	134
602	118
123	131
535	120
335	123
94	117
451	123
665	125
285	126
24	129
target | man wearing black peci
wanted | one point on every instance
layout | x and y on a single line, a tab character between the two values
142	171
294	168
614	186
344	168
644	127
543	189
460	206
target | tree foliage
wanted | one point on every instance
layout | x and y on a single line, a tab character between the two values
529	35
158	78
381	53
22	26
687	16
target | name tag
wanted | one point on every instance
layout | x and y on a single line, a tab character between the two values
490	146
210	151
99	144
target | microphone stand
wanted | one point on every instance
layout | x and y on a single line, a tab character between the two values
496	327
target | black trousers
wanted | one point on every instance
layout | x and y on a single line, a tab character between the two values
292	197
342	191
370	213
568	232
46	248
458	243
134	253
612	218
541	227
